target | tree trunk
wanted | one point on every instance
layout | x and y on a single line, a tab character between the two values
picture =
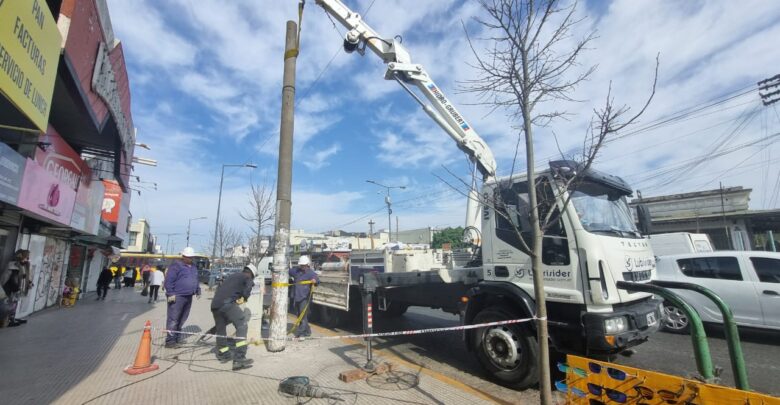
545	389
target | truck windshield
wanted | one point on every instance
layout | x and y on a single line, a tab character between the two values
603	210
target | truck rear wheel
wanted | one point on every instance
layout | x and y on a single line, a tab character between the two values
507	352
394	310
330	317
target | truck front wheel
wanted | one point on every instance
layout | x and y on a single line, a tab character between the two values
507	352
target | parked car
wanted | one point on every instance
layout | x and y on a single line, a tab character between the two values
203	275
748	281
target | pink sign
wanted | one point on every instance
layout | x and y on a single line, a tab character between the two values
46	195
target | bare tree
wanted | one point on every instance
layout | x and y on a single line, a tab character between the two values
260	215
531	59
227	238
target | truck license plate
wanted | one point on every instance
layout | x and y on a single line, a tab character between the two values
651	320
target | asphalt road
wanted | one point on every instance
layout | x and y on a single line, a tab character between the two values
673	354
443	352
668	353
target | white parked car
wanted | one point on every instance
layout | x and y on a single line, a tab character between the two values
748	281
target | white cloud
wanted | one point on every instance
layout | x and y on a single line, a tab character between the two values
321	158
152	42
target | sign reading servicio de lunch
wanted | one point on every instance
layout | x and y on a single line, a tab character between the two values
29	54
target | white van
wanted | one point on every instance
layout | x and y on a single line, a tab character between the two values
680	242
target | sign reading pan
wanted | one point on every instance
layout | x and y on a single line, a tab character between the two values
29	54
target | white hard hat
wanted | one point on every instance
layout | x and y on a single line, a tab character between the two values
188	252
304	260
251	267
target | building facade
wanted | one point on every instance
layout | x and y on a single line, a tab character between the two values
723	214
66	143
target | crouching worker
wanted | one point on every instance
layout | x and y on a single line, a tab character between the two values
226	308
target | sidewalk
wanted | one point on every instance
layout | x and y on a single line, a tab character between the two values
76	356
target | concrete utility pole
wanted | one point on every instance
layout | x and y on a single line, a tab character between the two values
371	232
278	327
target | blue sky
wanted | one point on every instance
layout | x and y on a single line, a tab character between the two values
206	83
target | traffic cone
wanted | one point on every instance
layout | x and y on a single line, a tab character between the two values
143	359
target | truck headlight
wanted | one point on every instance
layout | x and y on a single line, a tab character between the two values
614	326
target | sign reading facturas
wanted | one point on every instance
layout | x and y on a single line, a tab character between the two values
29	54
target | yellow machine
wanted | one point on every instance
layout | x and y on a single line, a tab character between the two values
595	382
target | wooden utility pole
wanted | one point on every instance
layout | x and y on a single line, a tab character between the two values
280	277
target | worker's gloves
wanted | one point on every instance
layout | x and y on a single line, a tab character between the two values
240	300
171	299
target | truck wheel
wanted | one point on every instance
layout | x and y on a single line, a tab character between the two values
394	310
675	320
330	317
507	352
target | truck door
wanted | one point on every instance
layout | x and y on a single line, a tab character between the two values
768	288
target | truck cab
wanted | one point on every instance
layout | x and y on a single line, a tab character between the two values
590	244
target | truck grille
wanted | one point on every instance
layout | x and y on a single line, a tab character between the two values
643	275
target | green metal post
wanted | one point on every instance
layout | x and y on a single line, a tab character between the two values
730	327
701	349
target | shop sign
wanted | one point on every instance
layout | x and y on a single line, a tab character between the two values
46	195
29	54
11	172
59	159
87	210
112	201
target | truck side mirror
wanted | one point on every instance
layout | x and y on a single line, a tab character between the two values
645	220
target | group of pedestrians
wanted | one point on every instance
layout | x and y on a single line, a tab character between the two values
152	281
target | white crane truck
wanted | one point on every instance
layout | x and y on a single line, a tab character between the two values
594	244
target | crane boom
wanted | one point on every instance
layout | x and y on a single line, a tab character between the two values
401	69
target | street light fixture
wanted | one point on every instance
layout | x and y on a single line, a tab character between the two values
389	209
189	223
219	203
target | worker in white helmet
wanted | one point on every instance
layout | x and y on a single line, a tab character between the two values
181	283
304	276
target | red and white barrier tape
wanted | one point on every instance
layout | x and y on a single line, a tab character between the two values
372	335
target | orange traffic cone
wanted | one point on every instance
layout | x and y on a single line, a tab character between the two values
143	359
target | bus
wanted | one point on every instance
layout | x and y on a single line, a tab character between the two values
139	260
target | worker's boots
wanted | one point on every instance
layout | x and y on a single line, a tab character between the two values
240	364
224	357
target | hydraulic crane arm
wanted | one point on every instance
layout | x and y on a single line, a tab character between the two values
400	68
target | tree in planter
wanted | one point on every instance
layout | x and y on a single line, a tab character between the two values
530	60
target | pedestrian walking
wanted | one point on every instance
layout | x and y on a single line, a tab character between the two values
226	307
146	272
128	274
15	281
304	277
156	279
134	277
117	278
181	283
104	279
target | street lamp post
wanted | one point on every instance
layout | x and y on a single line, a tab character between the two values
168	241
389	209
219	203
189	223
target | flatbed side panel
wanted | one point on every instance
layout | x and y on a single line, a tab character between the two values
333	290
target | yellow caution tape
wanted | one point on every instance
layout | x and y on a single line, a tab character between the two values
291	284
